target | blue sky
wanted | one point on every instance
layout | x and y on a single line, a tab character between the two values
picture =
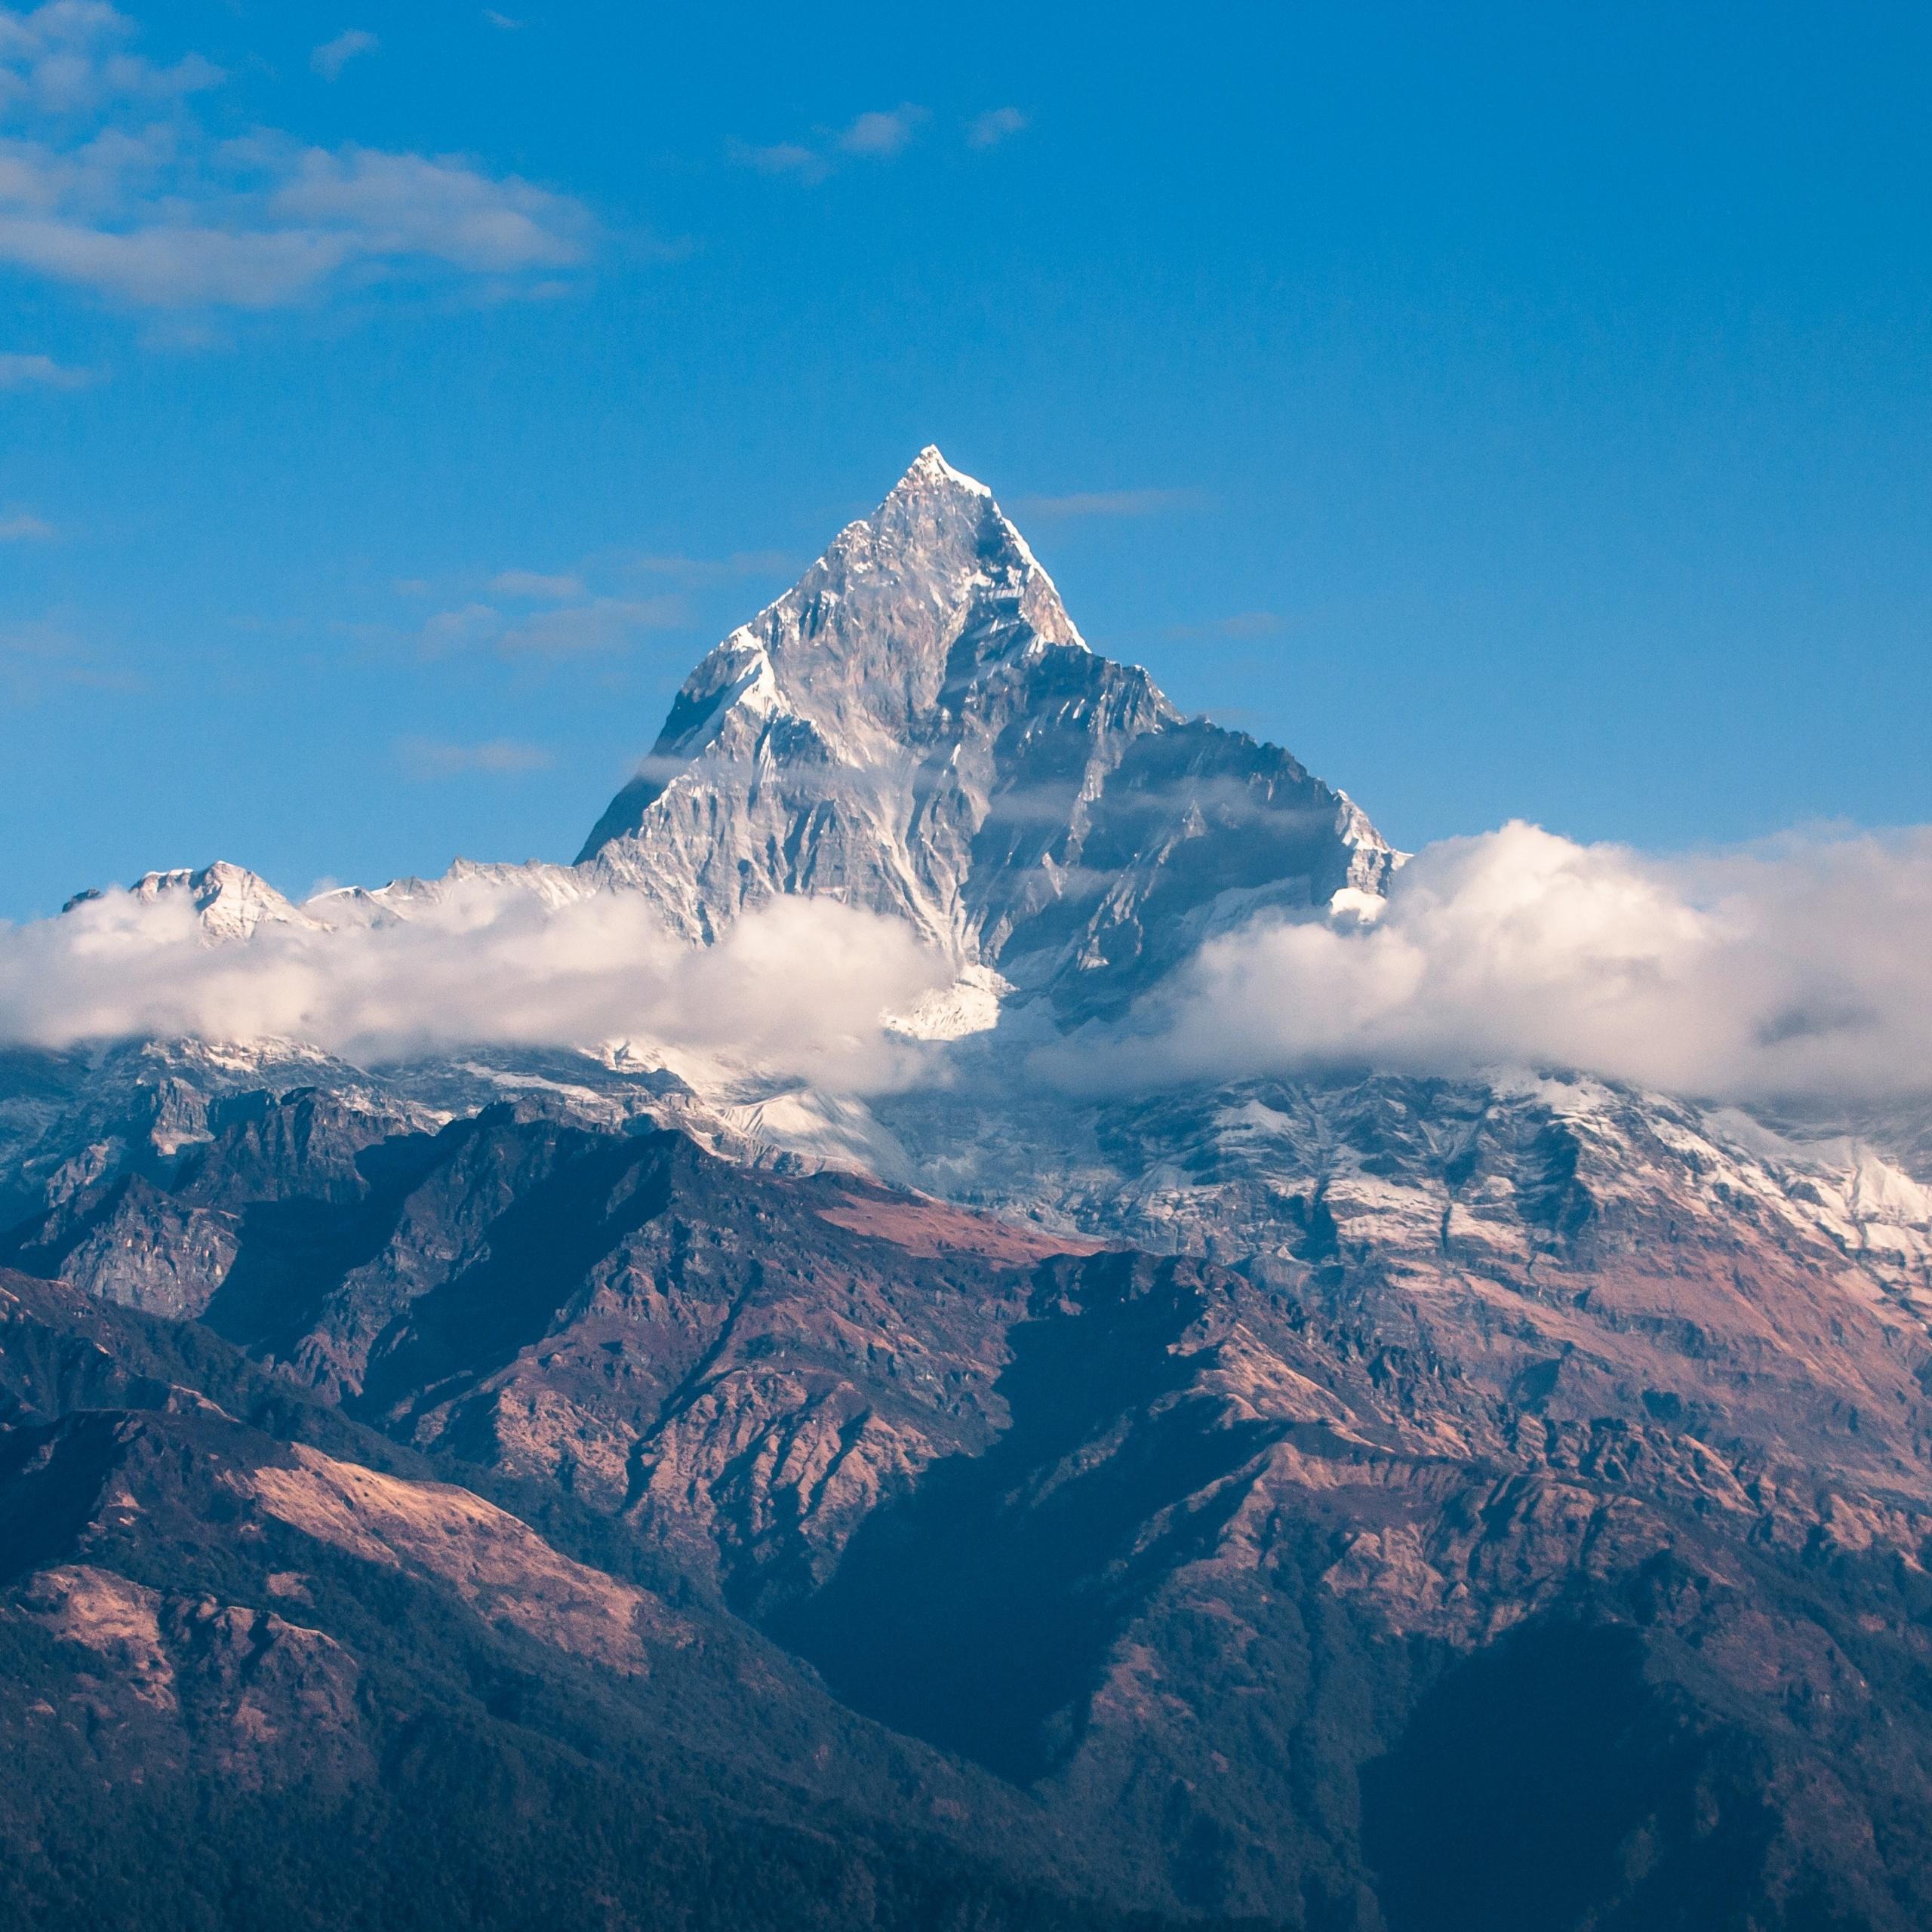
1515	411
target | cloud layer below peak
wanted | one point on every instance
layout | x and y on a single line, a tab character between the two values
801	987
1802	967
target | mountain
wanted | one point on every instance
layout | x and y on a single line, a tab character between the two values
228	901
243	1638
1356	1503
1226	1578
917	727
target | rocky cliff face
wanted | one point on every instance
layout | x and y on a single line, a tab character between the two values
1244	1575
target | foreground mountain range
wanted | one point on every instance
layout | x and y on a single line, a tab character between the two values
656	1488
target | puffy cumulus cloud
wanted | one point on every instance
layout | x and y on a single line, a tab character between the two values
800	987
1803	966
111	180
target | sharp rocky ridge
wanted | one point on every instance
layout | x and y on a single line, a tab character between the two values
917	727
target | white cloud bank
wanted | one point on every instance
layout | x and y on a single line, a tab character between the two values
1802	968
801	987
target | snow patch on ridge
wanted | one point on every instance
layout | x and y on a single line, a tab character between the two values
970	1005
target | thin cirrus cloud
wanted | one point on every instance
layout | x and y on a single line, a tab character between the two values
329	59
565	630
461	628
113	184
429	759
884	133
1241	626
22	527
41	656
603	624
695	571
535	584
20	370
1111	502
1800	968
878	134
792	158
996	125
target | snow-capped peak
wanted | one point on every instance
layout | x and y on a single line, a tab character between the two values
862	657
917	727
929	469
229	900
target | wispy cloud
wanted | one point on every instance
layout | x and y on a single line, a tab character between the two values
21	371
329	59
604	623
110	181
878	134
1242	624
39	655
884	133
502	22
781	158
1112	503
996	125
695	571
577	626
428	759
534	584
459	628
21	527
401	205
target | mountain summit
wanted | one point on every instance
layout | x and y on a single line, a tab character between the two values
918	727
